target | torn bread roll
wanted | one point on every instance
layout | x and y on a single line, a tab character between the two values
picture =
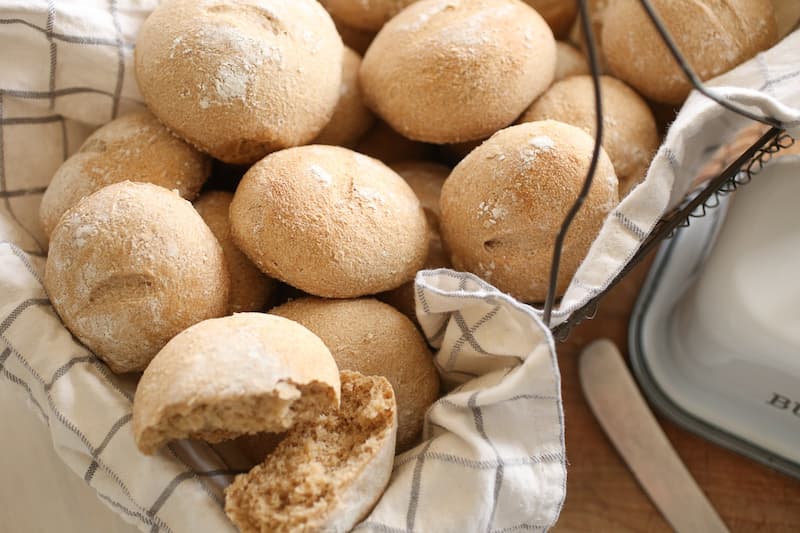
329	221
130	267
242	374
373	338
133	147
328	473
240	79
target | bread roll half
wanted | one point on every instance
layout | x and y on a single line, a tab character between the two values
241	374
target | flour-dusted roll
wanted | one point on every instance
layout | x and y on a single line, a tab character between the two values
351	118
368	15
131	266
241	374
373	338
250	288
134	147
630	136
426	180
446	71
240	79
329	221
569	61
712	36
327	474
504	204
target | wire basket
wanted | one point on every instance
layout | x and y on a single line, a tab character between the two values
738	172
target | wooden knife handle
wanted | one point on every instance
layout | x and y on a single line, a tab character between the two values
630	425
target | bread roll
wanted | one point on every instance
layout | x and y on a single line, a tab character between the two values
630	136
130	267
355	38
241	374
388	146
240	79
250	289
559	14
372	338
325	475
712	36
504	204
134	147
569	61
368	15
351	118
495	57
426	180
330	222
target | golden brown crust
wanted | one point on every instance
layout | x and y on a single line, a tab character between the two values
329	221
351	119
131	266
713	36
569	61
357	39
241	374
239	80
630	135
372	338
250	289
559	14
448	71
369	15
388	146
134	147
503	205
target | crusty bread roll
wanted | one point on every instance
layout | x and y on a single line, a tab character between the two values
569	61
241	374
368	15
355	38
250	289
373	338
504	204
134	147
326	475
630	136
329	221
426	180
129	267
448	72
559	14
712	36
351	119
240	79
388	146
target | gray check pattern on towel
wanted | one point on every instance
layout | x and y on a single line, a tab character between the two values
493	457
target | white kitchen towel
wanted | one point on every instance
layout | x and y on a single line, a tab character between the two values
494	456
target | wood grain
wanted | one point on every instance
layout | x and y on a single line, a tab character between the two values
602	494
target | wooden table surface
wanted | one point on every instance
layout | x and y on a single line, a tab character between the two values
602	494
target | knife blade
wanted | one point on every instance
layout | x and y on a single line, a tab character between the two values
632	428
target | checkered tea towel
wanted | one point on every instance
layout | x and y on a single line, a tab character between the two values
493	458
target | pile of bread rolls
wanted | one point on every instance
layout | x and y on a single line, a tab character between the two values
346	193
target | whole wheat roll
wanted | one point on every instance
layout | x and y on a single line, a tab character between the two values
559	14
237	375
373	338
425	179
496	55
630	136
569	61
359	222
240	79
133	147
351	119
368	15
712	36
129	267
504	204
250	288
